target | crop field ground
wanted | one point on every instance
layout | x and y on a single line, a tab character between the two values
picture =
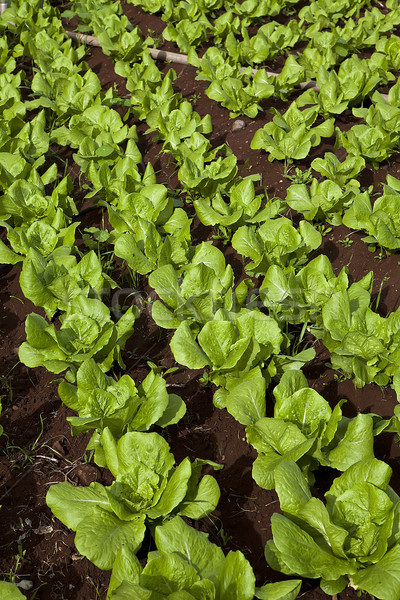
170	252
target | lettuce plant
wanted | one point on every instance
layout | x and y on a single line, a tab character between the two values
26	21
25	202
86	331
151	92
188	9
324	13
54	282
230	345
152	202
275	241
298	297
13	167
53	52
187	563
206	286
44	239
230	84
214	65
9	591
26	138
150	6
384	114
380	221
101	401
354	80
67	94
270	40
367	31
7	62
116	41
187	33
148	231
363	345
342	173
351	540
243	207
33	219
306	430
12	109
237	97
148	489
226	23
324	49
120	178
254	9
98	128
145	248
374	144
324	201
84	9
175	124
290	136
330	98
204	177
390	46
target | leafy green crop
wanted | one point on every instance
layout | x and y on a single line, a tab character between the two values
374	144
28	139
275	242
298	297
306	430
230	345
204	176
9	591
341	173
176	124
230	84
351	540
324	13
324	201
33	219
86	331
363	345
148	231
354	80
290	136
147	489
53	283
382	221
67	94
243	207
188	34
25	202
324	49
390	46
97	133
187	564
270	40
206	286
101	402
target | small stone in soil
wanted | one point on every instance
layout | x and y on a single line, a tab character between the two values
238	124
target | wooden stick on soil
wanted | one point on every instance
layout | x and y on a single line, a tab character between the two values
90	40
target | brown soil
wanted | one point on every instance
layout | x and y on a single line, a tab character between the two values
38	450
